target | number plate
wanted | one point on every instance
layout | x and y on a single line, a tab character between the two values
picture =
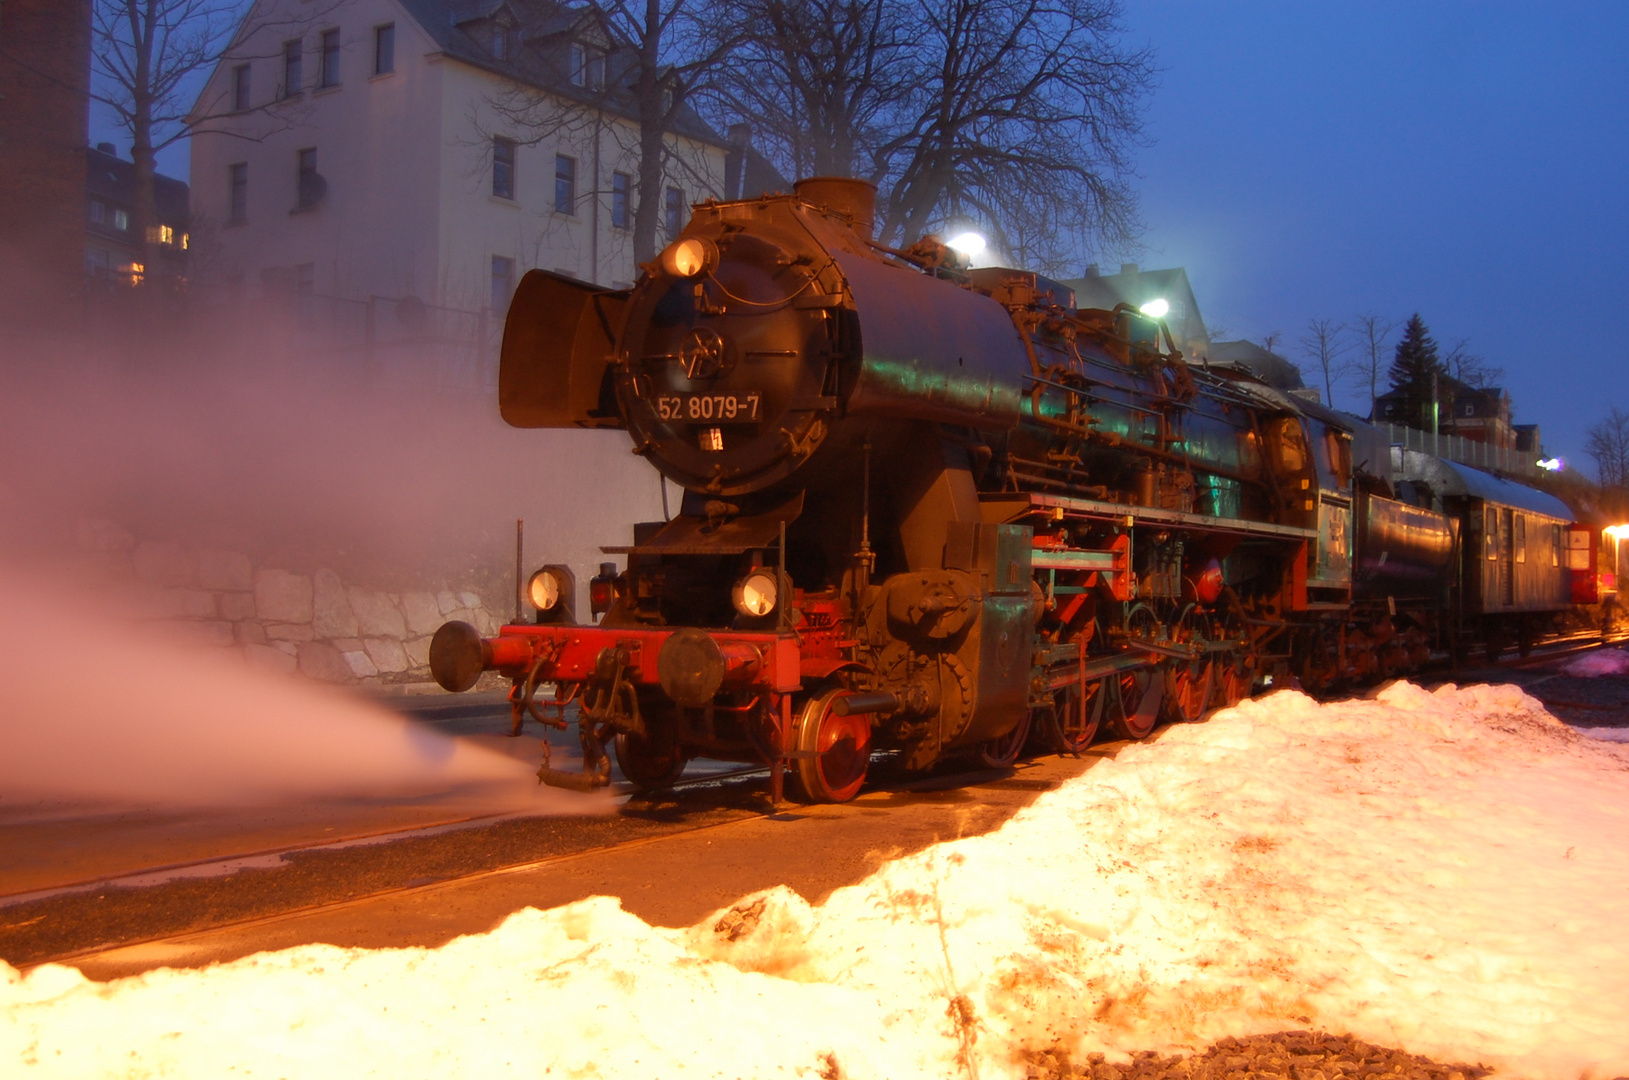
707	408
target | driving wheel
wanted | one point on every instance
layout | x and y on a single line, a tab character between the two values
1139	695
833	751
999	753
646	765
1072	723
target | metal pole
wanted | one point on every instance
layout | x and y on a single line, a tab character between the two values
784	603
520	584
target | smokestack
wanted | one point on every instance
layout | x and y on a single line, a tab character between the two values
1128	268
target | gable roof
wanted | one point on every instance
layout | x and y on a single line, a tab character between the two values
549	23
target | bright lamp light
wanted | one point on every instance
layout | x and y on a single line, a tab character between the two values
756	594
970	244
689	257
1554	464
1617	532
1155	308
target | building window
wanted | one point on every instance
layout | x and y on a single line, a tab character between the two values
121	220
503	168
502	41
330	58
293	63
96	262
166	234
384	49
565	184
503	282
98	212
240	88
310	187
237	186
620	183
674	208
1521	538
587	66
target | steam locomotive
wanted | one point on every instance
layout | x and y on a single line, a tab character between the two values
940	511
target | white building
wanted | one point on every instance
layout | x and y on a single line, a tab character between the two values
369	154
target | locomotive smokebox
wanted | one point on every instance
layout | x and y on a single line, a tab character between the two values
854	199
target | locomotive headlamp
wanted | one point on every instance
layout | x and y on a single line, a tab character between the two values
544	589
553	592
1156	308
756	594
689	257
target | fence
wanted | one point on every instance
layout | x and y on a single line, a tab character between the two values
1518	464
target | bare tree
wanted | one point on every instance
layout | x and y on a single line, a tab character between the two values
1470	368
1023	115
1325	345
1371	332
1608	443
658	52
816	78
146	57
1016	116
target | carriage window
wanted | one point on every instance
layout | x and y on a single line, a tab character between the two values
1490	533
1521	538
1555	545
1290	445
1340	458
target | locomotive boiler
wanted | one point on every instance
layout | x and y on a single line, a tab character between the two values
925	509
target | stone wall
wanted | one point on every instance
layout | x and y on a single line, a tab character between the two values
313	622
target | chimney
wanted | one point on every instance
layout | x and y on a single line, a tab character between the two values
107	148
1092	270
1128	268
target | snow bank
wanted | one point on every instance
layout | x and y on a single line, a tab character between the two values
1598	662
1446	872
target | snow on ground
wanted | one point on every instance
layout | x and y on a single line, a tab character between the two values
1446	872
1598	662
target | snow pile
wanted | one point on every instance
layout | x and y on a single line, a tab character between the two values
1598	662
1444	872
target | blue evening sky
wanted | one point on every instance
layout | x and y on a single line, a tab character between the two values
1466	161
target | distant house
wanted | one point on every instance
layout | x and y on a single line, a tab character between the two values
112	251
1480	414
1267	366
1138	287
368	155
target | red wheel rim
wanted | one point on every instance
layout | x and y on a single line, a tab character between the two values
842	751
845	750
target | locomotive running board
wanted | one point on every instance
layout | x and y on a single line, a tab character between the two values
1007	506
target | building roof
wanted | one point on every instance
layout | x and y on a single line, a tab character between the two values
113	179
1448	478
544	29
1269	367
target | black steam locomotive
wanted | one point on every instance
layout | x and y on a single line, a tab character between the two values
942	511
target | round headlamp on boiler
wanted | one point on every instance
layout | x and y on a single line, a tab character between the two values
689	257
